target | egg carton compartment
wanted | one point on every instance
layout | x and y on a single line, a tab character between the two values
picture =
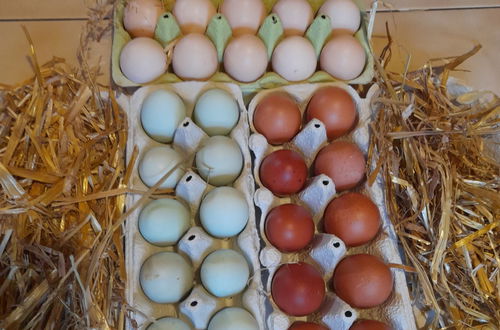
198	306
219	32
326	249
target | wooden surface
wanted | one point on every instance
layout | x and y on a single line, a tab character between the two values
423	29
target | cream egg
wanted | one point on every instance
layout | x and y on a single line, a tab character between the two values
224	273
166	277
244	16
194	57
295	15
216	112
143	60
163	221
140	17
224	212
161	112
193	15
219	160
344	14
245	58
343	57
232	318
294	58
168	323
157	162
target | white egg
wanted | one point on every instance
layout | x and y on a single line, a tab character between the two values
166	277
140	17
194	57
216	112
224	273
295	15
344	14
233	318
219	161
143	60
168	323
163	221
245	58
224	212
162	111
193	15
343	57
294	58
244	16
158	161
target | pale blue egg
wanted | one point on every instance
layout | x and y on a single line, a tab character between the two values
216	112
162	111
157	162
169	323
233	318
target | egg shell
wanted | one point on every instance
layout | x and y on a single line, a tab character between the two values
161	112
140	17
344	14
193	15
244	16
143	60
157	162
295	15
245	58
168	323
294	58
307	326
194	57
216	112
343	57
232	319
370	325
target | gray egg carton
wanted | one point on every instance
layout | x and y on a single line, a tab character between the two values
326	250
199	306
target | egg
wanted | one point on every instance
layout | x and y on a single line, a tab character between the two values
283	172
245	58
298	289
157	162
362	281
295	15
140	17
166	277
352	217
168	323
335	108
343	162
143	60
161	112
194	57
216	112
343	57
369	325
193	15
289	227
300	325
294	58
344	14
244	16
277	117
225	273
233	318
219	160
163	221
224	212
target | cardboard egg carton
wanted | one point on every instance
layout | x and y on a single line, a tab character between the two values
199	306
219	32
327	250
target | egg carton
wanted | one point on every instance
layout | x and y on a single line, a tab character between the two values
327	250
220	33
199	306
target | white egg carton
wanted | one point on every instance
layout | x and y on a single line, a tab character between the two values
327	250
199	306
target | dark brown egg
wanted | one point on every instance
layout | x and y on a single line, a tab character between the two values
352	217
369	325
335	108
277	117
284	172
300	325
343	162
362	281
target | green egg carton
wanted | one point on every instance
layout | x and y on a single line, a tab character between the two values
219	31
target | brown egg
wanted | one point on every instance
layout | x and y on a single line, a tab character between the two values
369	325
353	217
343	162
277	117
362	281
335	108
